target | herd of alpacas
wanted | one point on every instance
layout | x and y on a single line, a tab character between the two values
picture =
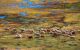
41	33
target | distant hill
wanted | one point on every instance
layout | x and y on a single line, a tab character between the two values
12	6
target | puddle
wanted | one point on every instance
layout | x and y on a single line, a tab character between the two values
1	17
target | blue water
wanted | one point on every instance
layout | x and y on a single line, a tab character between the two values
2	17
30	4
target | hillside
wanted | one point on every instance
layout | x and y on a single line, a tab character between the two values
37	25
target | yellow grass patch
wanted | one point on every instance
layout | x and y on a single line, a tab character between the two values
71	17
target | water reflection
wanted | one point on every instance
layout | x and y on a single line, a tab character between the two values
2	16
